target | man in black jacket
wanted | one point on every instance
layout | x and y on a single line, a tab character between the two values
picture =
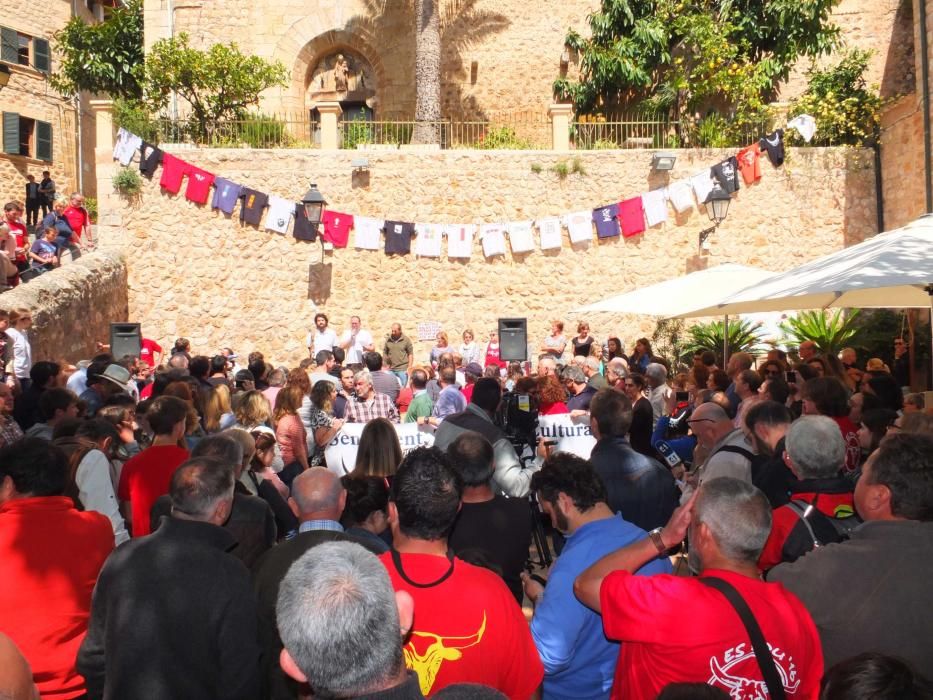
319	499
639	488
173	615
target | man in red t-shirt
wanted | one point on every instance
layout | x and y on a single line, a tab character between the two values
677	629
814	452
50	557
78	218
148	475
468	627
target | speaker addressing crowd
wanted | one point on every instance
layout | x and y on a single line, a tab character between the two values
174	525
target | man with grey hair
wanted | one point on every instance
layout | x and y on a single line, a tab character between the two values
616	373
173	614
581	392
367	404
593	377
251	520
728	521
547	366
342	625
729	451
815	452
318	499
659	393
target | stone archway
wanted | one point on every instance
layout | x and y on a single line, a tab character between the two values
343	76
309	41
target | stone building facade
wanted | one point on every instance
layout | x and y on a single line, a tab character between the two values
42	130
195	272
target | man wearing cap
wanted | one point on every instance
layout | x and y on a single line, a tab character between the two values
103	381
471	373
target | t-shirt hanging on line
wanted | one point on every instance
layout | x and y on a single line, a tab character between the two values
773	143
253	202
580	226
199	185
606	219
173	171
428	241
493	238
149	158
655	204
681	196
459	240
727	174
749	164
337	227
549	230
398	237
631	217
303	230
520	237
279	214
226	193
125	147
367	232
702	185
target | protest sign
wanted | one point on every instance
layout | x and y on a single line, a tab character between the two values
340	453
572	434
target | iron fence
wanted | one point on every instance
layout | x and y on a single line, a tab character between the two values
261	131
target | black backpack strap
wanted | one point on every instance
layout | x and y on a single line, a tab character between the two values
735	449
765	661
802	509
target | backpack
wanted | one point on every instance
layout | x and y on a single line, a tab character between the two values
815	529
756	462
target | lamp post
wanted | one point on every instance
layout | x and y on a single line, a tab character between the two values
314	204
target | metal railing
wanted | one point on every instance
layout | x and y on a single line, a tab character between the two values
651	131
261	131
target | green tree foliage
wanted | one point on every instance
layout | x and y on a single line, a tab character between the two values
217	85
847	110
102	58
686	57
744	336
830	331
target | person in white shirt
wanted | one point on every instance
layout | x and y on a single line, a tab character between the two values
470	351
356	341
20	323
322	337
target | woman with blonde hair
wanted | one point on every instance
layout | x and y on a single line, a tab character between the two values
322	426
252	411
439	349
217	412
290	433
469	350
193	430
379	453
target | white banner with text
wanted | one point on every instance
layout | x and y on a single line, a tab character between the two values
570	434
340	453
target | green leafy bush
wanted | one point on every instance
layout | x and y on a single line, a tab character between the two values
829	331
503	138
128	182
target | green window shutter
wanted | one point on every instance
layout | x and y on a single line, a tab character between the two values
43	141
9	45
11	133
40	55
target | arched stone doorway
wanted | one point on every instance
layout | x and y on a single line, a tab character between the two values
345	76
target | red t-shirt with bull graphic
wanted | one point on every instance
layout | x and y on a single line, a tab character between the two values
675	629
467	627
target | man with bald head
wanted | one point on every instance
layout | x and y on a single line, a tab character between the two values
729	452
318	499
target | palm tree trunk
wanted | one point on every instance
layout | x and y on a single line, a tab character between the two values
427	72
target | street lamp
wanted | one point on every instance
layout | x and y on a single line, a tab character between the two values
314	204
4	75
717	206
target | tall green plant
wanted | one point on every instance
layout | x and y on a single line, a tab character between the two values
829	331
744	336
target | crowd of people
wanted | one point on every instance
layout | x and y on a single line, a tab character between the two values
170	526
65	225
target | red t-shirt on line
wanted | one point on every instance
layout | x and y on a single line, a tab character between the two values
145	477
467	628
173	170
199	185
337	227
676	629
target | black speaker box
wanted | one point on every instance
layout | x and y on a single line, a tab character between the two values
125	339
513	339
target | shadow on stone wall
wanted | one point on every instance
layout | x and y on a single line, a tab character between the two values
73	306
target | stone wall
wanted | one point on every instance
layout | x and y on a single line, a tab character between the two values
196	273
73	306
902	161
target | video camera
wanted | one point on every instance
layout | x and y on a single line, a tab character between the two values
518	418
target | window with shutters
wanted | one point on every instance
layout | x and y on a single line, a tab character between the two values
24	50
24	136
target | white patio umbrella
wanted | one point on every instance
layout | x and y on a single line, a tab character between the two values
890	270
680	295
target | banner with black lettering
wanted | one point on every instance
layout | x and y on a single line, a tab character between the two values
571	434
340	453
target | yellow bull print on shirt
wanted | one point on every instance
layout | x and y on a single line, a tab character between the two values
440	649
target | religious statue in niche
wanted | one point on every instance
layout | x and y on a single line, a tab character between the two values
342	77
